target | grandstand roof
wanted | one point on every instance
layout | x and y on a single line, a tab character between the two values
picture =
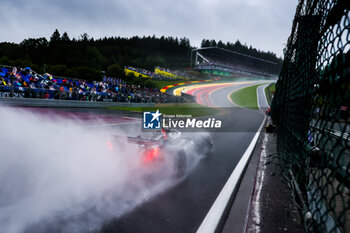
227	52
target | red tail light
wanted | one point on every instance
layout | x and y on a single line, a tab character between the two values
151	155
110	146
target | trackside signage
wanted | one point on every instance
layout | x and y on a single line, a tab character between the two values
157	120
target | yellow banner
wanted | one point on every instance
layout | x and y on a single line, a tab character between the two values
136	74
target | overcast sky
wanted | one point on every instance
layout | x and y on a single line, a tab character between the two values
264	24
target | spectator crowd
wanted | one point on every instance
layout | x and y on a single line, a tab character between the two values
27	83
175	75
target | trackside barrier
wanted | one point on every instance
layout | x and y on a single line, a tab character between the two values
311	111
218	212
32	102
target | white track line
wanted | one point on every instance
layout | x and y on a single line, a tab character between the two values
213	217
255	201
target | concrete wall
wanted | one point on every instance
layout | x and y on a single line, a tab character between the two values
27	102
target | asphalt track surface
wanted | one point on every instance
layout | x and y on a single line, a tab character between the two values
183	207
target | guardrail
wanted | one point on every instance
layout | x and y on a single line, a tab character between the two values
52	103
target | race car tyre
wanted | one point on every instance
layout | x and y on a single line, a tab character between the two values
180	163
208	143
204	146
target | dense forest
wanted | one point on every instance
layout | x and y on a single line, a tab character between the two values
87	57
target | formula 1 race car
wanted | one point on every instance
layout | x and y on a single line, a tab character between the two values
171	147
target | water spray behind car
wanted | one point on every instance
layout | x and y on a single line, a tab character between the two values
57	175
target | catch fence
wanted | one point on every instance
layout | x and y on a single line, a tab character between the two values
310	109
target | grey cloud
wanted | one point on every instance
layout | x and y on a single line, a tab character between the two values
264	24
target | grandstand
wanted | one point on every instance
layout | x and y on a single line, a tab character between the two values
26	83
172	74
223	62
137	72
158	74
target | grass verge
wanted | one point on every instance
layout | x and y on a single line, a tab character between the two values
246	97
269	92
161	84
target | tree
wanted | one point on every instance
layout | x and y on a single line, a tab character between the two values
94	58
87	73
35	49
115	70
11	50
29	44
205	43
149	83
212	43
59	70
184	42
84	37
56	37
111	54
6	61
152	61
65	37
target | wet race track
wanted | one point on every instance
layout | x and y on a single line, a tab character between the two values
171	205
